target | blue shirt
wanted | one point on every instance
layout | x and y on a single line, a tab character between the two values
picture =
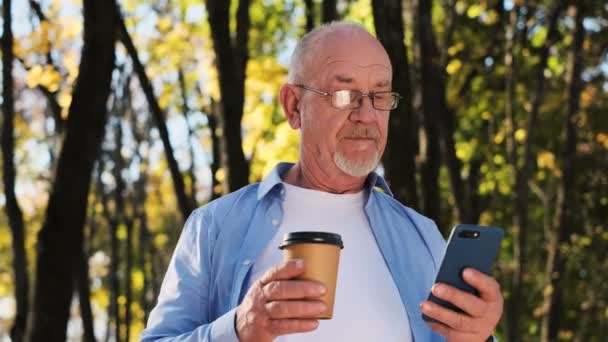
209	272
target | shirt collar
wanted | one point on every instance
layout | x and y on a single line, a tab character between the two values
276	177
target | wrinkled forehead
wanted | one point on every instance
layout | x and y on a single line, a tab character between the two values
353	56
344	72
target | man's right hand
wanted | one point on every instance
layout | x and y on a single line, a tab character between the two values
278	305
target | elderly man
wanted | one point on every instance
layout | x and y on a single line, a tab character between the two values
226	281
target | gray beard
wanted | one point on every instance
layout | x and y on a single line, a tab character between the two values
356	168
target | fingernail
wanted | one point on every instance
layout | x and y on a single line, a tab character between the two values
321	289
438	290
299	263
468	273
424	306
321	307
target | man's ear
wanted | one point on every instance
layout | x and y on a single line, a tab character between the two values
290	100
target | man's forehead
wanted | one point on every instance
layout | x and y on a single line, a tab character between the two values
345	71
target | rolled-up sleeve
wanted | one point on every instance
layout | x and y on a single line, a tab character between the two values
181	313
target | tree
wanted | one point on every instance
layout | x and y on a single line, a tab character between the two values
231	62
430	80
523	172
329	11
565	213
13	210
400	156
185	203
60	239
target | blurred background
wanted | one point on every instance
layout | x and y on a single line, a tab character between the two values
119	118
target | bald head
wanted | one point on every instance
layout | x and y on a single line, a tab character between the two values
321	42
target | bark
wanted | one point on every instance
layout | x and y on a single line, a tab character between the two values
329	11
61	237
12	208
310	15
231	61
565	214
400	156
429	73
184	203
84	298
215	148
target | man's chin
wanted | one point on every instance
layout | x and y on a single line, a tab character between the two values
356	167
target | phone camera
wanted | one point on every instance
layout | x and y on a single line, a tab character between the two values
468	234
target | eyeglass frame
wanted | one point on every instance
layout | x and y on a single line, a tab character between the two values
395	95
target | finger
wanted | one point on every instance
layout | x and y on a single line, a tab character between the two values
449	333
286	270
439	328
292	289
295	309
488	287
289	326
456	321
471	304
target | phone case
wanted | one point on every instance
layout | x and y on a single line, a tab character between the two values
468	246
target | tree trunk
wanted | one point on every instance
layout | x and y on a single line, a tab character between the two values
310	15
565	214
522	174
400	156
185	205
60	239
128	276
444	115
84	298
13	211
329	11
231	62
429	68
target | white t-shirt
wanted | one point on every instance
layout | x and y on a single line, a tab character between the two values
367	305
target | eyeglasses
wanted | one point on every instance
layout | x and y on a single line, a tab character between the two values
353	99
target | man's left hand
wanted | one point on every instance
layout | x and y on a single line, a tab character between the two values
481	314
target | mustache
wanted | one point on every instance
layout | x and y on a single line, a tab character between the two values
369	132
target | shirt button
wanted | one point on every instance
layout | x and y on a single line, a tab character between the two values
275	222
246	262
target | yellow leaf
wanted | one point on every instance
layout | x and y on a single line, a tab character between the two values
137	280
50	78
160	240
499	138
32	78
122	300
454	49
546	160
453	66
520	135
65	99
474	11
220	175
164	24
121	232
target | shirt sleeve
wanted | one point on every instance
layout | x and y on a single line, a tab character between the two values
181	313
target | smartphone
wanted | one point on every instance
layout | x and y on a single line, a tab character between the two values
468	246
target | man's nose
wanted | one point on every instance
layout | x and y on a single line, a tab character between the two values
366	112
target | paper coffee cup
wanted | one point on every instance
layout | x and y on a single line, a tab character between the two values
321	254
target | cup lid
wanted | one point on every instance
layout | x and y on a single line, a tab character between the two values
312	237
